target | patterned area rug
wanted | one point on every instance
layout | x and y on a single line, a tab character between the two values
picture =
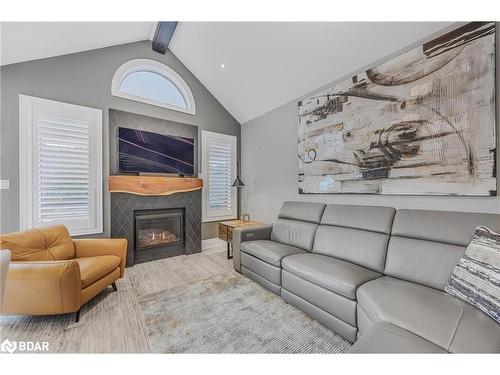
232	314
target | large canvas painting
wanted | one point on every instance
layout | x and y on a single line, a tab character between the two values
422	123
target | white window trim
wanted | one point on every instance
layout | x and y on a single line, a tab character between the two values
136	65
29	107
206	216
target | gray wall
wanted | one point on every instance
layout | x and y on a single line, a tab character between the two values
85	79
270	165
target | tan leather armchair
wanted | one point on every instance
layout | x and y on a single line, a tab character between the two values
52	274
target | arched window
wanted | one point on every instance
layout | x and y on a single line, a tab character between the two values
151	82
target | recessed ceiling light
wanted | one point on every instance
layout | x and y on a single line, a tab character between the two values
222	66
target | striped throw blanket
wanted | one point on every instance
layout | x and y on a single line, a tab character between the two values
476	277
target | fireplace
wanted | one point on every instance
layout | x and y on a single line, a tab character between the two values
158	233
126	206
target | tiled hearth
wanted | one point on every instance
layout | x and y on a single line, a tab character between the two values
123	206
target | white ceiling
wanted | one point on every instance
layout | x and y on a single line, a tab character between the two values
23	41
270	64
266	64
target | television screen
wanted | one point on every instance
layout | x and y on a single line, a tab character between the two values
143	151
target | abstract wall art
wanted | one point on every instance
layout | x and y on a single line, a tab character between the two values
422	123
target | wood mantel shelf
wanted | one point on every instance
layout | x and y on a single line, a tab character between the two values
153	185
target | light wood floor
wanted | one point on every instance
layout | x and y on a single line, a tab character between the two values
112	321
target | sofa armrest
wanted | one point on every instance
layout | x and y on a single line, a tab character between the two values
42	288
242	234
86	247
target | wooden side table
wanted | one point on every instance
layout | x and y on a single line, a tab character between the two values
226	232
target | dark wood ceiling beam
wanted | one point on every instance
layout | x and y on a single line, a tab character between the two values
163	34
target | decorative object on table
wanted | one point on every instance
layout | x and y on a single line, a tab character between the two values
476	277
238	184
422	123
226	232
245	217
4	268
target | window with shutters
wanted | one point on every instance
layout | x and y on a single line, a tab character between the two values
219	172
60	165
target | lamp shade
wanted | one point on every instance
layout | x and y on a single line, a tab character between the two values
237	182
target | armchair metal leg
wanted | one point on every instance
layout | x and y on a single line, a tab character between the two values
77	316
113	284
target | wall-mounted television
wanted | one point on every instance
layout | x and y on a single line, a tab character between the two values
148	152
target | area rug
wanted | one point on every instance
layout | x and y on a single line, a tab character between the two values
231	314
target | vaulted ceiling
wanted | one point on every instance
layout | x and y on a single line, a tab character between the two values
251	68
269	64
23	41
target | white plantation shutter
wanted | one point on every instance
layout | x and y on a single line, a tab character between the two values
219	176
65	169
63	189
219	172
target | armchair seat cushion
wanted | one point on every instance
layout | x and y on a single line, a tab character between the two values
270	251
333	274
95	268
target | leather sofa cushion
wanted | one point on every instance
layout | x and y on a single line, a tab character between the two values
370	218
44	244
476	333
294	233
388	338
332	303
367	249
302	211
263	269
455	228
422	262
94	268
426	245
426	312
269	251
336	275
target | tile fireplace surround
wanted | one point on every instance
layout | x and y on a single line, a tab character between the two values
123	206
123	202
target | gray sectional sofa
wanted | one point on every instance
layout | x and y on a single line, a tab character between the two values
374	275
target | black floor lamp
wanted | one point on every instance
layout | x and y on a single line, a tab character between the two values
238	184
